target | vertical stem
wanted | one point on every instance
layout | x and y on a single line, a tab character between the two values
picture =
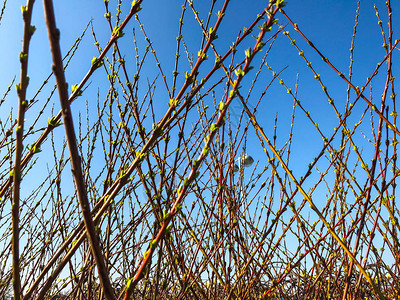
75	159
21	90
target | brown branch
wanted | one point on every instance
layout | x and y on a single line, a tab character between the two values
21	90
58	69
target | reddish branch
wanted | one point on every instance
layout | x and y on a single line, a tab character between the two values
76	165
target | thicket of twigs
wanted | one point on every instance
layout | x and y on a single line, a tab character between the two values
159	204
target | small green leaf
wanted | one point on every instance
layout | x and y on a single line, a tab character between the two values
239	72
123	176
96	62
34	149
53	122
213	127
179	190
143	155
202	55
247	52
129	281
73	89
218	61
166	215
189	77
212	34
117	32
153	244
186	182
174	102
259	46
194	163
205	150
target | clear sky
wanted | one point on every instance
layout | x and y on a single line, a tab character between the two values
329	24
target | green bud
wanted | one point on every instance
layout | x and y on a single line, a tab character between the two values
23	57
213	127
117	32
53	122
153	244
32	30
34	149
73	89
247	52
221	105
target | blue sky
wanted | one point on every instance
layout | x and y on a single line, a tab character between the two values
329	24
